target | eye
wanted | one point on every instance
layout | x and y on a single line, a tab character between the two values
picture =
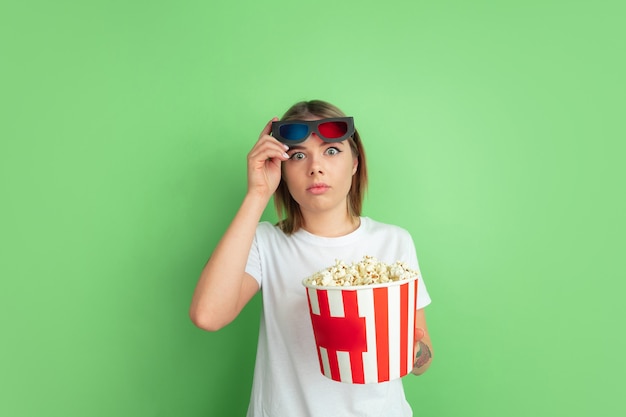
297	156
332	151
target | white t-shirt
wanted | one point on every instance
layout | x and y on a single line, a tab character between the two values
287	377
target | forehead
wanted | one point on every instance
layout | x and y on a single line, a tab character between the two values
315	141
305	117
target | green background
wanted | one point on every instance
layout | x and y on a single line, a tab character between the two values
494	131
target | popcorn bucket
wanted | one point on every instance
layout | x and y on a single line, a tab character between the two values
364	334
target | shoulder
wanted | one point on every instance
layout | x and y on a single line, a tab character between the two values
268	231
266	227
390	242
376	227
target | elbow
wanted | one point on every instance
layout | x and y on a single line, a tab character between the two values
205	320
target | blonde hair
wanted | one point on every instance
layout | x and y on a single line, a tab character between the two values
285	203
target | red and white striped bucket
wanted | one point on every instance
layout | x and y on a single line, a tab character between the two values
364	334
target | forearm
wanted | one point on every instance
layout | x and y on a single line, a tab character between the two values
423	345
423	357
218	295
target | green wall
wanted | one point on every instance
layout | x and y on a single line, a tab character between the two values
494	131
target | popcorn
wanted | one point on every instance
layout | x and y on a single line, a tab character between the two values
365	272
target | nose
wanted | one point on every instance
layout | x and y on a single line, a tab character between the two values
315	171
315	166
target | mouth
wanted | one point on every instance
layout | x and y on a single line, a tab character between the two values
318	188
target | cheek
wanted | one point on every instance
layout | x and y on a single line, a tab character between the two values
287	173
355	165
288	176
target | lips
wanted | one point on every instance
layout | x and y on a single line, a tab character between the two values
318	188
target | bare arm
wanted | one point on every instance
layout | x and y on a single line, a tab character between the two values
224	287
423	345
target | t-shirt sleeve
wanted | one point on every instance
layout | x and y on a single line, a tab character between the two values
423	298
253	266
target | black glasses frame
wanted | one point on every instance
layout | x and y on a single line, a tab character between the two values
313	127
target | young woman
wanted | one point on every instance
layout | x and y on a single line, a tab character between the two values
318	181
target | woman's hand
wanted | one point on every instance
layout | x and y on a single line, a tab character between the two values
264	161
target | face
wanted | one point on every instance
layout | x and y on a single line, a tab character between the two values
319	174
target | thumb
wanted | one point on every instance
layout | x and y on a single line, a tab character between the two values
268	127
419	334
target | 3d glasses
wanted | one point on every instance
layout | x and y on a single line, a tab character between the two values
335	129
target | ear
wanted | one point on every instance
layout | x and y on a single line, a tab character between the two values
355	165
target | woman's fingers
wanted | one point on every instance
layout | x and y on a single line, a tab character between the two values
264	162
268	127
268	148
419	334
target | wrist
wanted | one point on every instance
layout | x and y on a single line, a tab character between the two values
256	200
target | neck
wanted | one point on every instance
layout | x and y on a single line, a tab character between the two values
330	224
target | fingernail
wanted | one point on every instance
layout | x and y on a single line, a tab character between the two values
285	155
286	147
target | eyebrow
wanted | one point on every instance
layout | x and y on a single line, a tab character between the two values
300	147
